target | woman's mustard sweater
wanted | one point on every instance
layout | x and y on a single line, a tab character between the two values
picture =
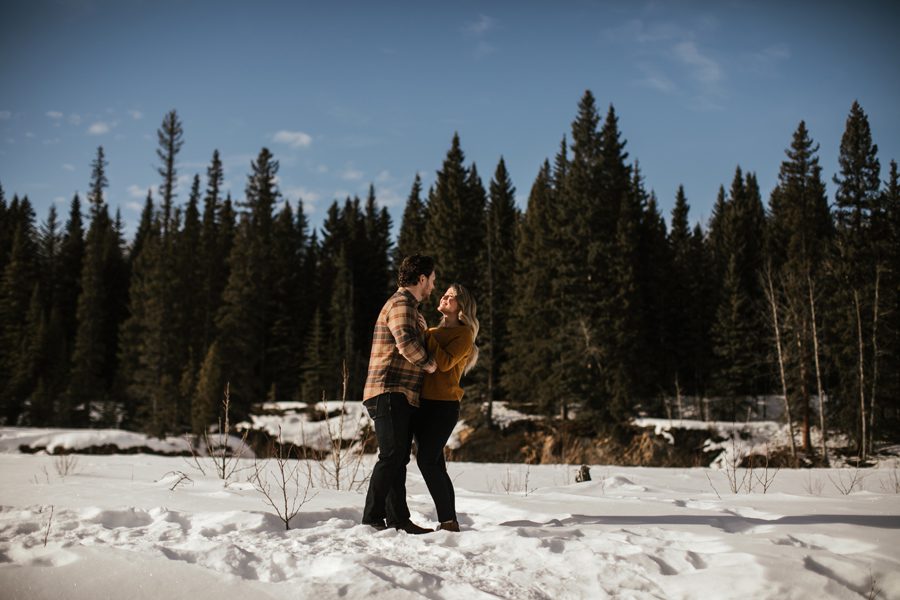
450	347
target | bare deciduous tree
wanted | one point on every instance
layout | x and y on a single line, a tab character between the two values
286	495
225	461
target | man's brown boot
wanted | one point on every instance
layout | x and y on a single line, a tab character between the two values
451	525
411	528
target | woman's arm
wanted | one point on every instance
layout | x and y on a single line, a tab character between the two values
450	355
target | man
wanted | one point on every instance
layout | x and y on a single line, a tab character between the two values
397	365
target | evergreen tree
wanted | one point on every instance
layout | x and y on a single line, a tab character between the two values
654	286
170	140
94	358
887	414
799	232
502	229
143	229
317	364
531	374
17	297
455	227
245	319
377	280
70	263
411	239
285	345
156	339
583	286
213	253
683	305
741	354
49	247
855	269
189	295
209	393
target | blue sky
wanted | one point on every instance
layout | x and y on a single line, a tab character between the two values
355	93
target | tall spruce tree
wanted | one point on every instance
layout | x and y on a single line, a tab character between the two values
285	346
654	283
684	308
856	273
213	256
17	299
741	354
157	337
502	233
582	287
455	228
411	239
170	139
531	375
245	319
94	355
888	413
798	235
617	322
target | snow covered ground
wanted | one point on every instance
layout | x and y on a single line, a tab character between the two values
114	528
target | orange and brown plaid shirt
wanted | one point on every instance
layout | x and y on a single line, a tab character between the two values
398	349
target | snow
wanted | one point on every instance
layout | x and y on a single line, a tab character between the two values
296	427
122	526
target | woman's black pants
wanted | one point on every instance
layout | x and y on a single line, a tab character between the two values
433	424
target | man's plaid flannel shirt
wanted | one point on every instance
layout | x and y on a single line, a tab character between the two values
398	349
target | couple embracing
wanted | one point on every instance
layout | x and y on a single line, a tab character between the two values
412	392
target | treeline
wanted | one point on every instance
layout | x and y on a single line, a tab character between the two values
587	300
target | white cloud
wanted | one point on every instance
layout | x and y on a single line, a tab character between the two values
75	119
481	26
29	135
660	83
5	115
767	60
389	197
135	206
59	200
136	191
383	177
322	169
68	167
351	174
55	115
641	32
294	139
704	68
99	128
136	114
308	196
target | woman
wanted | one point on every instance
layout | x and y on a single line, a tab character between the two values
452	345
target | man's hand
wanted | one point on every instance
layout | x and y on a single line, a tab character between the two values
431	367
423	325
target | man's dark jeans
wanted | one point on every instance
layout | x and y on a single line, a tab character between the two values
386	498
434	422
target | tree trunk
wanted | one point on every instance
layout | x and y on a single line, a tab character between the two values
770	294
862	378
804	392
819	391
878	270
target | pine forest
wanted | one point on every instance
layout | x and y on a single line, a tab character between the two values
591	300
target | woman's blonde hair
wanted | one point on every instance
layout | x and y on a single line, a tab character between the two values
468	317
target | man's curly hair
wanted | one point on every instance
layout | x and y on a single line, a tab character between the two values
412	267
